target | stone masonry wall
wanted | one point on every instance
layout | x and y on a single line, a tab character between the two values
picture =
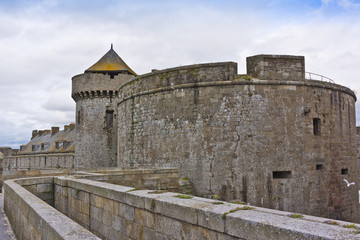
118	212
38	161
35	165
32	218
358	144
256	142
156	179
276	67
1	170
96	142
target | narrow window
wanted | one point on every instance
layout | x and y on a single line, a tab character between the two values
316	125
344	171
319	167
58	145
42	146
281	174
109	118
78	117
67	144
33	147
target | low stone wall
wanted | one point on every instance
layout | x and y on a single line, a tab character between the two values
38	161
32	218
112	212
35	165
156	179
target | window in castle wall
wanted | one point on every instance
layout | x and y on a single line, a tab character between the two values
344	171
42	146
281	174
78	117
33	148
319	167
109	118
317	126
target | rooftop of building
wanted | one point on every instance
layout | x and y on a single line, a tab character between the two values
111	62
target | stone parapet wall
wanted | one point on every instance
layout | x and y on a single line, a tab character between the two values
113	212
185	76
32	218
35	165
38	161
156	179
276	67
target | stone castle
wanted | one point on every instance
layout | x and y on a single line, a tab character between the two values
272	137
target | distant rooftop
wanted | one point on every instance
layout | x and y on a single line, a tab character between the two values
110	63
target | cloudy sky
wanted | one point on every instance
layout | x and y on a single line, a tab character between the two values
44	43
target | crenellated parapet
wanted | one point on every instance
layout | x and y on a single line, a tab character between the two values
94	94
97	85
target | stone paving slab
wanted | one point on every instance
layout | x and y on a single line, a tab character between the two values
6	232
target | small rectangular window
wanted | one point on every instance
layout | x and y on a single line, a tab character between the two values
109	118
33	148
78	117
319	167
42	146
67	144
58	145
281	174
344	171
316	126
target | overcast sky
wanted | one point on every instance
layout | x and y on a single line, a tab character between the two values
44	43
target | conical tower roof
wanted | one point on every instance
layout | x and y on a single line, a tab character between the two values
110	63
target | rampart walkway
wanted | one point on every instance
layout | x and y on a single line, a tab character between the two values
6	232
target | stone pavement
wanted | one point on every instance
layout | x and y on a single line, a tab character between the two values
6	232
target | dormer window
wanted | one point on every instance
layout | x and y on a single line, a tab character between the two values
59	145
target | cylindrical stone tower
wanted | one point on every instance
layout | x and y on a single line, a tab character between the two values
95	93
271	138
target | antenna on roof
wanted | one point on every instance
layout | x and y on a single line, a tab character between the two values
111	46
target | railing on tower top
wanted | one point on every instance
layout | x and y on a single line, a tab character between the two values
314	76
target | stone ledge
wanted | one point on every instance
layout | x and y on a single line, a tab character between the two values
239	81
50	223
184	214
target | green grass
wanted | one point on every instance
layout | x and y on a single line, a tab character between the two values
350	226
295	215
237	209
135	189
157	191
238	202
182	196
331	222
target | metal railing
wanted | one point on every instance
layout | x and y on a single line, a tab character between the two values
318	77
